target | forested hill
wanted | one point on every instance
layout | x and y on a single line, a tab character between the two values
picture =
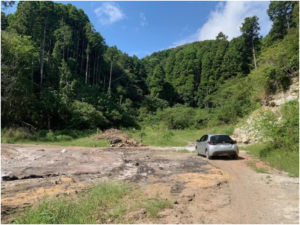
58	72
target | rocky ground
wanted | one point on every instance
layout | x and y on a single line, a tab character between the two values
203	191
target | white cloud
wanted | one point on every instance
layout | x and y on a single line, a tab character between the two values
139	54
228	17
109	13
144	21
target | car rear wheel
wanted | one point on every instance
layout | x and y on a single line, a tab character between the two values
207	155
235	157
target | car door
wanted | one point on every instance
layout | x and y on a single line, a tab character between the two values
203	144
200	145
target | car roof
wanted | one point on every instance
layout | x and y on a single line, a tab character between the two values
216	134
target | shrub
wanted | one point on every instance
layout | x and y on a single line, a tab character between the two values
85	115
64	138
20	133
50	136
178	117
282	127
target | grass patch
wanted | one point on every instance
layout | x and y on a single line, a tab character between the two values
151	136
92	206
252	164
154	206
165	137
85	142
109	202
277	158
60	137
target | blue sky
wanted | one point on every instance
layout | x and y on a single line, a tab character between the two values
141	28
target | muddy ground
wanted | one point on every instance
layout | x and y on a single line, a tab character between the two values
203	191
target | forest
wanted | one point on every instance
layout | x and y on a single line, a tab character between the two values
59	73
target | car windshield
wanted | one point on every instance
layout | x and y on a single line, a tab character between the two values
221	139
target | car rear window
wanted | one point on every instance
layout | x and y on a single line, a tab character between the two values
221	139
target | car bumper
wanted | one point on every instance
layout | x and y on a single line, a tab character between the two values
224	152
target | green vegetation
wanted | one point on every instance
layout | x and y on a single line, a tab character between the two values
282	149
108	202
159	136
60	137
58	73
252	164
154	206
277	158
64	75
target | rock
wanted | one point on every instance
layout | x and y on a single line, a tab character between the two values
115	141
63	151
136	164
176	202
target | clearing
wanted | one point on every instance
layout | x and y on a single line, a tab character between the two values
202	191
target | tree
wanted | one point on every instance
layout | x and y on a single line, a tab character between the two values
234	62
63	36
280	12
250	31
4	21
156	82
16	89
46	9
6	4
112	56
218	59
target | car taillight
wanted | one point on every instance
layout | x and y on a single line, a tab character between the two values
211	143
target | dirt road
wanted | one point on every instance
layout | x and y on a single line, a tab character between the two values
203	191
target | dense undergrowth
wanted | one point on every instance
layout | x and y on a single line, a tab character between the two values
108	202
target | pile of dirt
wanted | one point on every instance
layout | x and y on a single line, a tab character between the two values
124	143
116	138
111	134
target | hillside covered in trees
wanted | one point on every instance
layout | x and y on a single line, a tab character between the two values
58	72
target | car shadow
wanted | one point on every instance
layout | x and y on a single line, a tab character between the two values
227	158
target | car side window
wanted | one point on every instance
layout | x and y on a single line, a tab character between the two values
202	138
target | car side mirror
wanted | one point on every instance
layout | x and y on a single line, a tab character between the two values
233	142
197	140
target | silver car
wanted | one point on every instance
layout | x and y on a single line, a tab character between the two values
216	145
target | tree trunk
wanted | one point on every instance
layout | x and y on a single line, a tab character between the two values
254	57
287	21
87	65
97	71
32	63
43	53
77	48
110	74
49	54
81	59
103	83
94	72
